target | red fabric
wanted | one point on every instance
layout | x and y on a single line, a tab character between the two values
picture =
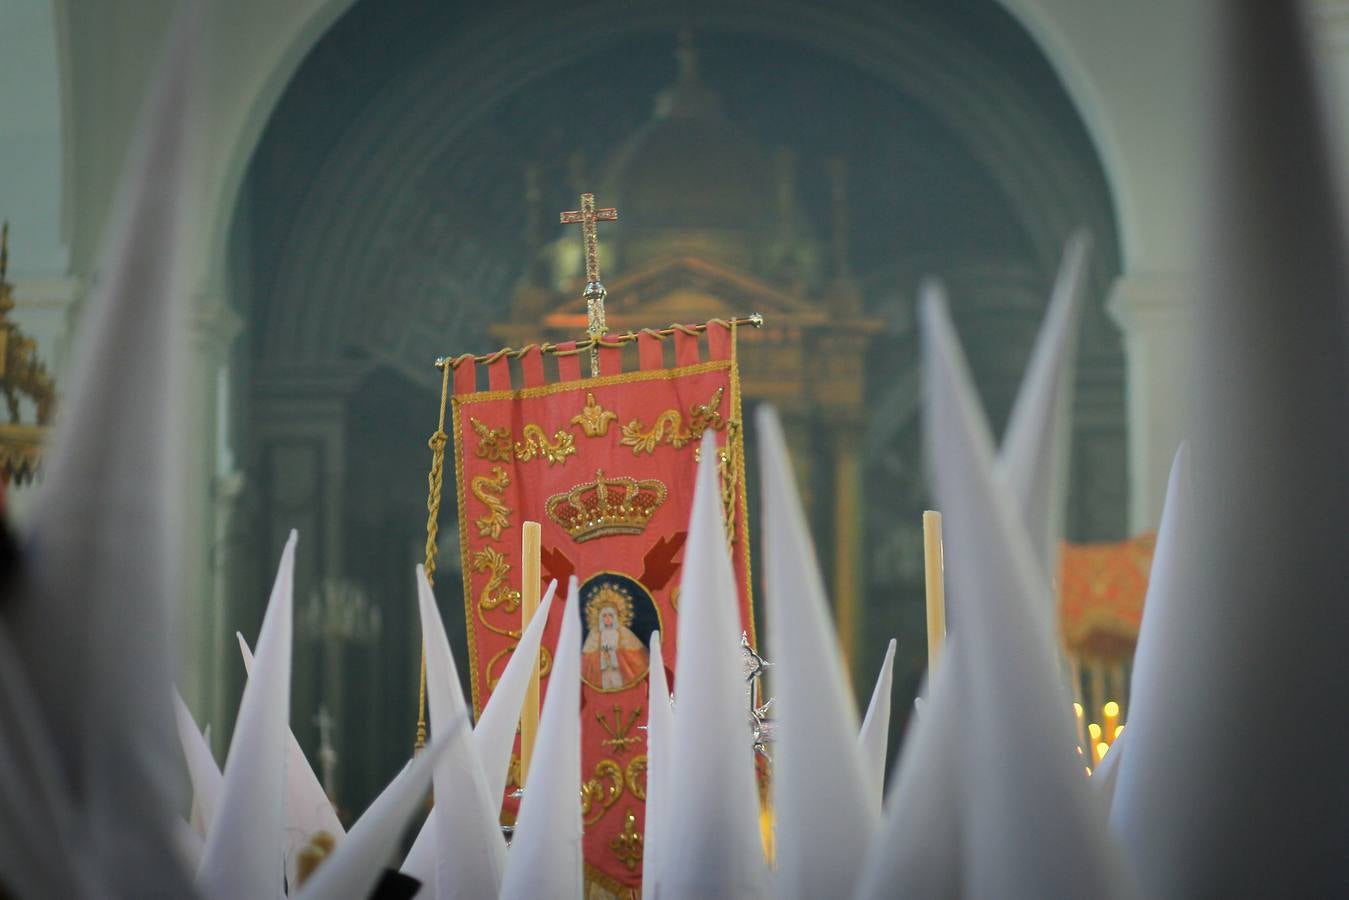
719	341
650	352
499	374
568	365
686	349
1101	591
531	367
466	377
493	433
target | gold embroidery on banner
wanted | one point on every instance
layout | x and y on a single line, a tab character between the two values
493	443
636	775
602	791
545	664
620	737
462	404
536	443
627	845
668	427
488	489
605	506
496	445
593	418
495	593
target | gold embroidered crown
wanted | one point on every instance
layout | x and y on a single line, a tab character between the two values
606	506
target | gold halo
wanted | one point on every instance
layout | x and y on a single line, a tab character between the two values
613	595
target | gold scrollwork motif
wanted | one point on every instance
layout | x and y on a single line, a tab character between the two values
602	791
496	444
536	443
545	665
636	777
668	427
593	418
627	844
493	443
495	593
488	489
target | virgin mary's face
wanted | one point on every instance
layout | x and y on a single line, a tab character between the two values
607	618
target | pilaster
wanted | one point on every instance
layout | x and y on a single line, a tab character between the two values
212	486
1155	313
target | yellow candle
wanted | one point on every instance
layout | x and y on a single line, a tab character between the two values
934	575
1111	711
529	604
1101	749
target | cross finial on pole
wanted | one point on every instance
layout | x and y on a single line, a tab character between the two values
594	294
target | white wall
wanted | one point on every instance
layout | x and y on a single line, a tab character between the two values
30	138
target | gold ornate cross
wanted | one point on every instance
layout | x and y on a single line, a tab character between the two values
594	294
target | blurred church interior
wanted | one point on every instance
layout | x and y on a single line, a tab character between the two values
383	181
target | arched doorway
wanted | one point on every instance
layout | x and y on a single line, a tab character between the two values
387	218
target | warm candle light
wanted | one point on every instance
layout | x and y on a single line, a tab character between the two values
529	604
1111	713
1119	729
1101	749
1095	731
934	575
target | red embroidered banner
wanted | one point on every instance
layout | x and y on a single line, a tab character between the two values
607	465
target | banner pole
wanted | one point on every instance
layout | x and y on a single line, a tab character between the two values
934	570
529	605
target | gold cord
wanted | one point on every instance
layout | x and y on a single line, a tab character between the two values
435	481
609	340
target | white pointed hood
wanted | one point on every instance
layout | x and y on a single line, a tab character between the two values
307	807
874	738
712	846
244	841
1252	790
43	850
495	732
1030	828
1162	641
917	848
202	769
357	864
470	856
1105	777
545	856
1033	459
91	622
823	815
494	735
659	724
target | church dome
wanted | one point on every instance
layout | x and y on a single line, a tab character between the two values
690	182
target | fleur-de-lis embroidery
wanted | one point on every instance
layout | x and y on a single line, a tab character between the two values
593	418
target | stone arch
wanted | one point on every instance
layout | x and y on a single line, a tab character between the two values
1006	131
